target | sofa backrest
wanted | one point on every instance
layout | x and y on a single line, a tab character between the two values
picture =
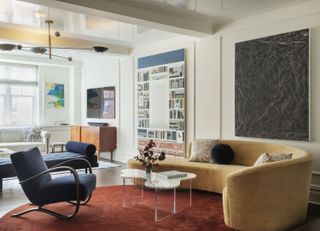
247	152
11	135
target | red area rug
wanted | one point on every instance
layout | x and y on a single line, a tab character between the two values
105	212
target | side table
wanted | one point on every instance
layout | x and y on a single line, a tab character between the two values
55	145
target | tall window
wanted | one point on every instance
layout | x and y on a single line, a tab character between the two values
18	94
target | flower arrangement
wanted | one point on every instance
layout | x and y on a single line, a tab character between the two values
148	158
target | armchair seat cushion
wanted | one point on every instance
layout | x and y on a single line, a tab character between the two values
63	189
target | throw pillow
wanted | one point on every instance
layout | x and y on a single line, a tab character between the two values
222	154
267	158
81	148
280	156
200	151
263	158
32	135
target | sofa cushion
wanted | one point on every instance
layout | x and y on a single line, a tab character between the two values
81	148
12	135
222	154
200	150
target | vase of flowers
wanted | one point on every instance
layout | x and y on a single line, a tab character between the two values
149	158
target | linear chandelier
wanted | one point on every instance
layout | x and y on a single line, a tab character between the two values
47	50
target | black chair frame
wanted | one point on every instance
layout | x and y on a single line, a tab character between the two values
77	203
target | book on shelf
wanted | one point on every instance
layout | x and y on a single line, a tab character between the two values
173	174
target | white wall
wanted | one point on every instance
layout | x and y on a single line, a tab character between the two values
101	71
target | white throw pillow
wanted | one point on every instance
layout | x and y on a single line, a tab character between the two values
201	148
266	157
263	158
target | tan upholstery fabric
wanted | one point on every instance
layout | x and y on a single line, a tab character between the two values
270	197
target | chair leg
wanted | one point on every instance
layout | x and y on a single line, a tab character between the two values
50	212
83	203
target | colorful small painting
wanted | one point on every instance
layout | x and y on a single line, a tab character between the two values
54	95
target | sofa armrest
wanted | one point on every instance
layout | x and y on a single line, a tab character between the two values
45	135
274	195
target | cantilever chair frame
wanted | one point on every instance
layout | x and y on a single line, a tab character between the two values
77	203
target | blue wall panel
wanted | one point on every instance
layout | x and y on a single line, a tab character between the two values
161	59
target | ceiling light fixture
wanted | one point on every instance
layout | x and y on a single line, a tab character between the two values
48	50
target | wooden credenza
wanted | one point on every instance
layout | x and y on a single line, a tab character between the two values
103	137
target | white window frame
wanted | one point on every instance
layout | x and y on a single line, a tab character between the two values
8	83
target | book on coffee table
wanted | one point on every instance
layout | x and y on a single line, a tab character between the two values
172	174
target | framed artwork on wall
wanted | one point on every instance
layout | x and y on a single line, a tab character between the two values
54	96
272	87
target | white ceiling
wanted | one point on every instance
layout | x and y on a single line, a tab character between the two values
128	23
219	10
33	16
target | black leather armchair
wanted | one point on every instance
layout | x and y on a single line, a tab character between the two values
41	189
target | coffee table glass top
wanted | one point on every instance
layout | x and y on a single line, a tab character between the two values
156	180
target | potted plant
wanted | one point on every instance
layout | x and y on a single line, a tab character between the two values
149	158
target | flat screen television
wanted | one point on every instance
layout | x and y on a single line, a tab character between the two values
101	103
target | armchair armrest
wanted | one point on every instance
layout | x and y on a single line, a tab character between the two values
73	160
46	137
274	195
74	173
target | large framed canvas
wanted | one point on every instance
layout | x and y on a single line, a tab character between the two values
272	87
161	101
54	95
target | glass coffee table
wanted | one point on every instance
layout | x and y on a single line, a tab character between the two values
157	182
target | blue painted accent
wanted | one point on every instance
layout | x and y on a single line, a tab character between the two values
161	59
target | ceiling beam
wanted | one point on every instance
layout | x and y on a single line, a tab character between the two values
40	38
177	21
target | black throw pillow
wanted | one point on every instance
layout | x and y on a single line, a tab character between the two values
81	148
222	154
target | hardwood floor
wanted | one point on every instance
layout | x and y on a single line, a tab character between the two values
13	196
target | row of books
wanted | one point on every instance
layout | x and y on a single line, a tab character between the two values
159	69
143	123
143	76
176	103
177	125
143	114
176	83
179	94
176	114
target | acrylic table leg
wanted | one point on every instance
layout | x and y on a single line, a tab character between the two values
155	204
174	200
142	193
124	192
190	185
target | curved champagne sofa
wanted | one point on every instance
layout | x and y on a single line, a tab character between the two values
270	197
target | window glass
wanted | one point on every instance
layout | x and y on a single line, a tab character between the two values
22	110
18	72
18	94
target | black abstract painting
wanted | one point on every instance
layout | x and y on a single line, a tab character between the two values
272	87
